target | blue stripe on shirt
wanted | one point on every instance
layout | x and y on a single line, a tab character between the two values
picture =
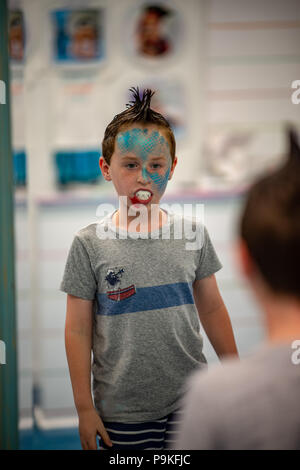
148	298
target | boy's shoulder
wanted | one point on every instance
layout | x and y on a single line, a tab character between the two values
87	232
93	231
189	223
186	218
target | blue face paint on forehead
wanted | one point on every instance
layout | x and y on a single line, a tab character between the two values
143	143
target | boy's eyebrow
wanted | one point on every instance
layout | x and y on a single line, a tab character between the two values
131	157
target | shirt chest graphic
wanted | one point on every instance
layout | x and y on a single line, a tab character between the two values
119	285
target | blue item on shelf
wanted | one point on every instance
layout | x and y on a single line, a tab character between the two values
77	166
19	164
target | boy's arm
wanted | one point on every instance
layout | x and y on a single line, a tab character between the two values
214	316
78	341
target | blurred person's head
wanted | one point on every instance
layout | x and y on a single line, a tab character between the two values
270	230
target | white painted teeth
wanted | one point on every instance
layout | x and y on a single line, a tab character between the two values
143	195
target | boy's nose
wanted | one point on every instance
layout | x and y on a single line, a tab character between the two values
143	176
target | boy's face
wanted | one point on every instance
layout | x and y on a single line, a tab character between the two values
141	164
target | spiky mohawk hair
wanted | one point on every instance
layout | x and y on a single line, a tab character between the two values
138	111
270	223
140	105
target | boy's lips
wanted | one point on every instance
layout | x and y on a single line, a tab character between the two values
141	196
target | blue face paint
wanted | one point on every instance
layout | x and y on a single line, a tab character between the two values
143	144
161	181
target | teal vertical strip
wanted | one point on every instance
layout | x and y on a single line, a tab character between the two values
8	370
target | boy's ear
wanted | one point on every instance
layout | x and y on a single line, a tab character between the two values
173	168
105	169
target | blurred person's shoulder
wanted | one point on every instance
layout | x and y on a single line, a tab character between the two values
250	403
234	380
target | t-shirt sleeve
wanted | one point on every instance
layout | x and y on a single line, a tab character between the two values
79	279
209	262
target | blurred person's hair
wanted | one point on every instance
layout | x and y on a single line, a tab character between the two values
138	112
270	224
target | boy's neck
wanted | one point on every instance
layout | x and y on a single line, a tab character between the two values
154	220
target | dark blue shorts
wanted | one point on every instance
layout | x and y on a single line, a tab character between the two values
152	435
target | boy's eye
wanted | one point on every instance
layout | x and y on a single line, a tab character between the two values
131	165
156	165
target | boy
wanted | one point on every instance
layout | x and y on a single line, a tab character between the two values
135	296
254	404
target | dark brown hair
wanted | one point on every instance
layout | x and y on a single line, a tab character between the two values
270	224
138	111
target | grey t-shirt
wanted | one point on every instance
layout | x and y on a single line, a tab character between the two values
146	329
252	404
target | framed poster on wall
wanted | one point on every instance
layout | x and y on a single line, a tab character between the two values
78	35
16	36
154	31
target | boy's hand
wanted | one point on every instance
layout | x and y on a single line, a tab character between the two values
90	424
